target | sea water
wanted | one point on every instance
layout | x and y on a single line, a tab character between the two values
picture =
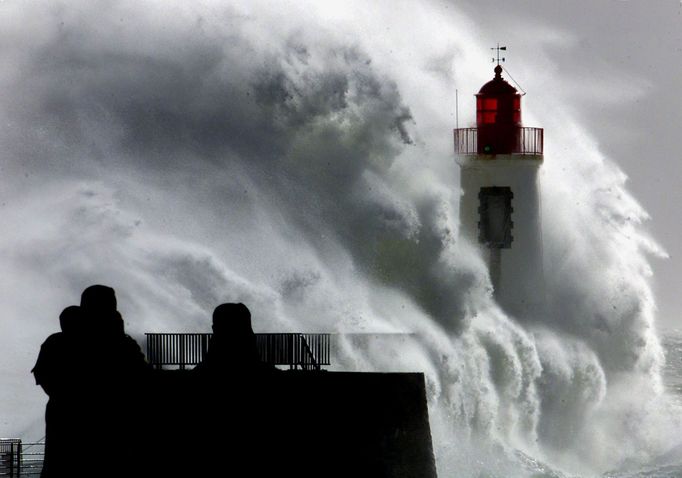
668	465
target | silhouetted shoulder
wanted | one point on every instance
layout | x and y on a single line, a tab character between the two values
46	357
133	353
57	364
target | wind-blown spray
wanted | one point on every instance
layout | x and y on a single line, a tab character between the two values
194	155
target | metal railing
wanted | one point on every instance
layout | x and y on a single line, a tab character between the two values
466	140
19	459
308	351
176	349
527	141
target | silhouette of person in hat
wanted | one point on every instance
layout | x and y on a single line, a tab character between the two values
114	371
233	345
236	388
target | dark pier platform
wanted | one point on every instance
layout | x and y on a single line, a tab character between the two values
218	413
288	423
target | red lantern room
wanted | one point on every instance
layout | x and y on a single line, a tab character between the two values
498	116
498	128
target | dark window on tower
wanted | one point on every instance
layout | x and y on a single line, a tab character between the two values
494	211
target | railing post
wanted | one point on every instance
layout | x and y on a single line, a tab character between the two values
19	459
204	346
11	459
182	351
12	454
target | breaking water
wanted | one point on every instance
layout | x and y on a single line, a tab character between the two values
668	465
672	373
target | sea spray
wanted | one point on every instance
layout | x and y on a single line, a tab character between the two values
220	154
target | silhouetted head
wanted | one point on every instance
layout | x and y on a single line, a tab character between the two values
232	319
98	299
71	319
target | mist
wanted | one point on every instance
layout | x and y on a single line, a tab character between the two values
296	159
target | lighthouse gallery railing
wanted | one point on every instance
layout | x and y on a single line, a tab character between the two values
529	141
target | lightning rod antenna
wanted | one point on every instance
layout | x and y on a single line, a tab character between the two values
456	108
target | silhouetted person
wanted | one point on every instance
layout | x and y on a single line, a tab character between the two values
56	371
114	370
99	306
235	397
95	372
71	320
233	345
51	370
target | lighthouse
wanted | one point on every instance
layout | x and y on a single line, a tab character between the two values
499	211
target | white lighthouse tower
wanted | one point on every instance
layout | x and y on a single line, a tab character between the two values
500	205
